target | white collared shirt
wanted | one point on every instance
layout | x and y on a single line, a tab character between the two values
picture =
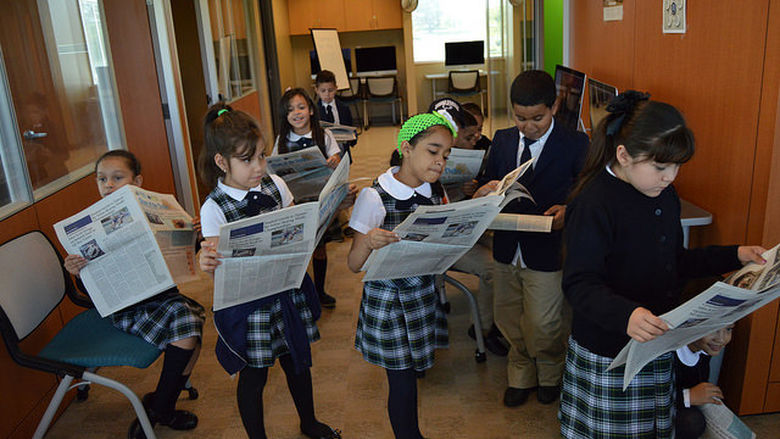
332	104
212	216
331	145
690	359
369	212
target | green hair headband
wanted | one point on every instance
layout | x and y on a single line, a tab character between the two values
222	111
419	123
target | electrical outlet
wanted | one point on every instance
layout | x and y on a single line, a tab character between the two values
674	12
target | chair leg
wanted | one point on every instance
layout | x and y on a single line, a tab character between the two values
130	395
474	311
56	400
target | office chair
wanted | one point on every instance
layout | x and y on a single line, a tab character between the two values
33	282
479	353
383	89
353	96
466	83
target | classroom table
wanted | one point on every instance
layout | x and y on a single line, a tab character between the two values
690	216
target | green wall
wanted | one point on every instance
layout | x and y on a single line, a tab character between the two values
553	34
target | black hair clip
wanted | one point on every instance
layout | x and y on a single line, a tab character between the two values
621	105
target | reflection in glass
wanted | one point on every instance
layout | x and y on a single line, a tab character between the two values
231	30
13	185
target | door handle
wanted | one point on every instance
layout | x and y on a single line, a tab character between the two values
32	135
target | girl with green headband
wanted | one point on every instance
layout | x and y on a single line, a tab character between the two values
401	323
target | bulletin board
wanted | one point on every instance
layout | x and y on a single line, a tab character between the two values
328	47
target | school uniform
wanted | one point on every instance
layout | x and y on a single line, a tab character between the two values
623	250
528	304
297	142
690	369
401	322
335	112
267	328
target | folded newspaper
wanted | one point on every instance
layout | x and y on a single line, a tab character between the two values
462	165
342	133
137	243
305	172
722	304
437	236
266	254
722	423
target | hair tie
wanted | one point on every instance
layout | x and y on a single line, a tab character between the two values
222	111
421	122
622	105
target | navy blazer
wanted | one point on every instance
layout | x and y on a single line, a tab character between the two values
555	172
345	116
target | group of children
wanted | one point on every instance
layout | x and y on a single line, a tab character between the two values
613	262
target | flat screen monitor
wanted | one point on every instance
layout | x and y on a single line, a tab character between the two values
314	61
570	85
464	53
375	61
599	96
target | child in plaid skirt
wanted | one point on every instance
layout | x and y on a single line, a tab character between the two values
625	265
276	327
169	320
401	323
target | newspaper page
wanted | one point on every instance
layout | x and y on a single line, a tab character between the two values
342	133
462	165
264	254
522	223
332	195
304	171
720	305
435	237
722	423
126	258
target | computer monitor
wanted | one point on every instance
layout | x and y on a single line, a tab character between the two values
314	61
464	54
570	85
375	61
599	96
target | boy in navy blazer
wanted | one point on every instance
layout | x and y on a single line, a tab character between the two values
331	109
528	304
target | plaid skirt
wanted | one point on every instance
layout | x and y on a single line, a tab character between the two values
594	405
162	319
265	330
401	323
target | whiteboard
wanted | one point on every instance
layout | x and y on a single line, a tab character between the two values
328	47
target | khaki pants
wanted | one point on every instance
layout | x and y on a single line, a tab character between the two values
479	261
531	312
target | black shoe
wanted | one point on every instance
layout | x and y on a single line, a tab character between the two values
321	431
176	420
492	341
419	374
327	301
514	397
548	394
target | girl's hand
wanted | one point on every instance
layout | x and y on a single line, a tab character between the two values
486	189
644	326
469	188
74	264
705	393
558	213
751	253
378	238
333	161
349	200
209	258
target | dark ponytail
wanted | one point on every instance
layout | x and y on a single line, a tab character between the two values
649	130
230	133
317	133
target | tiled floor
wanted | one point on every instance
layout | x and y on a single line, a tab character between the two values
458	398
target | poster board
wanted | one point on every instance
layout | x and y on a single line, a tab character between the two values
328	47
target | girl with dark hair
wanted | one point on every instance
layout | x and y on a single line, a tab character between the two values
625	265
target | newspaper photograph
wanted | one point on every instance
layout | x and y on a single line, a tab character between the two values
462	165
264	254
722	423
138	243
720	305
342	133
304	171
332	195
509	179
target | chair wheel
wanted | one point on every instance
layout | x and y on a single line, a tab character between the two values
480	357
447	307
192	392
82	393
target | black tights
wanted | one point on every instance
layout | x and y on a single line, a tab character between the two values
251	382
402	403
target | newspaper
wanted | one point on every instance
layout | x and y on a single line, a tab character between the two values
305	172
722	423
720	305
462	165
269	253
522	223
437	236
138	243
342	133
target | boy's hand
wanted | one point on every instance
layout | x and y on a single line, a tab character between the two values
378	238
349	200
209	258
74	264
558	212
333	161
469	188
750	253
705	393
486	189
644	326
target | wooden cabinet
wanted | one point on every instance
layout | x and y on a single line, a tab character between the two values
344	15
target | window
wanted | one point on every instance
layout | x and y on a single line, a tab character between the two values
14	193
436	22
232	35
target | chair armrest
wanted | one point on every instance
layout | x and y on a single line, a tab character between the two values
78	293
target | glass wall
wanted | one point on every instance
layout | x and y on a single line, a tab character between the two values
231	31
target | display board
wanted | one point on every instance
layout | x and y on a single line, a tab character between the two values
328	47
